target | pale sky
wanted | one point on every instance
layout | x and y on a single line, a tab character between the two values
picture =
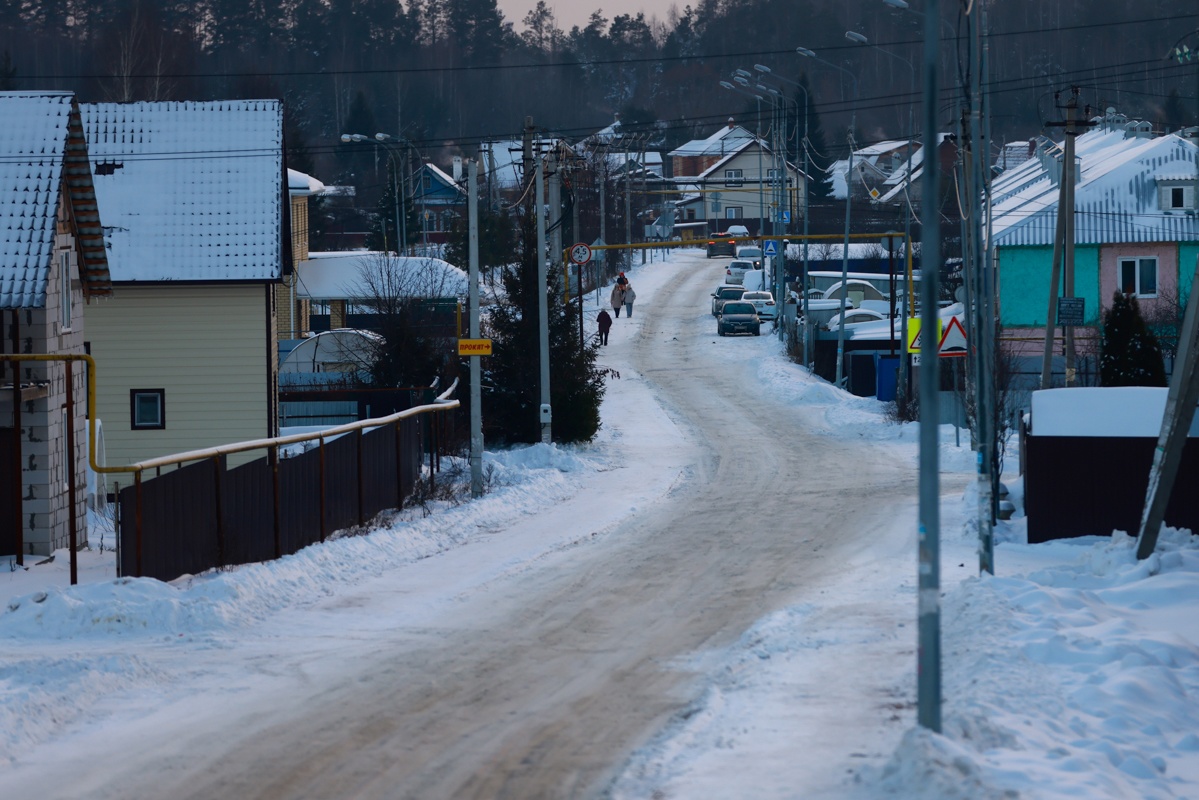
577	12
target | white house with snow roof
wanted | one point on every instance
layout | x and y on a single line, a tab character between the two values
52	262
731	176
194	197
1135	225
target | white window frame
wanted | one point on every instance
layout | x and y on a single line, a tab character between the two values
64	279
732	212
734	177
1137	263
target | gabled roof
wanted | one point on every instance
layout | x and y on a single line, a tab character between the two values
719	143
41	140
1116	198
191	191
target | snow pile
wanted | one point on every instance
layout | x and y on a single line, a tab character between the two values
1074	680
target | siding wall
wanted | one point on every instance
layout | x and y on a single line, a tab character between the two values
1024	283
1167	271
206	346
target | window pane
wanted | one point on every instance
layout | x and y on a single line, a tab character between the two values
1148	276
1128	277
146	410
1177	196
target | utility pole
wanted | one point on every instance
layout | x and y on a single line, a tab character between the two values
544	412
476	392
555	213
928	602
603	220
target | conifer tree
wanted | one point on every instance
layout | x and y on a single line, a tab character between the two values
511	375
1129	353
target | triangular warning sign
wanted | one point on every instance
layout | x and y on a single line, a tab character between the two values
953	341
914	330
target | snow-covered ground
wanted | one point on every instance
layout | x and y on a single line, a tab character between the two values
1071	673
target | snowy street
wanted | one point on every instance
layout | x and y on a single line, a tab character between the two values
715	599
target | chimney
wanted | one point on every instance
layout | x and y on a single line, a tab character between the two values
457	169
731	124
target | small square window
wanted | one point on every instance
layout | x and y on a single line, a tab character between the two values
734	177
147	409
732	212
64	277
1178	197
1138	276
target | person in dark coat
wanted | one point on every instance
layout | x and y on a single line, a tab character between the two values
605	324
622	281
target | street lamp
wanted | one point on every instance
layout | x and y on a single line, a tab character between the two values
803	51
859	38
765	70
741	77
399	219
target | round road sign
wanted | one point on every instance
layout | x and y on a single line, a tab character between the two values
580	253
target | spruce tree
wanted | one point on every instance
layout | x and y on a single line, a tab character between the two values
511	375
1129	353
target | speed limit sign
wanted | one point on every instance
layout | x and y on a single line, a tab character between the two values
580	253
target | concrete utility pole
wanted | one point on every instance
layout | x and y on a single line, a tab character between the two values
543	413
476	392
555	212
928	603
1068	233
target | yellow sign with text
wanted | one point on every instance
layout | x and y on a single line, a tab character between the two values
914	334
474	347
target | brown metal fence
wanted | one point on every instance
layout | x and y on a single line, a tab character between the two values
204	515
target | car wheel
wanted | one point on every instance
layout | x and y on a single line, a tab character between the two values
757	332
720	331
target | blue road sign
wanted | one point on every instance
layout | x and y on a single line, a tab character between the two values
771	248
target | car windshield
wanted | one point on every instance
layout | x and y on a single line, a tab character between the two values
729	293
738	308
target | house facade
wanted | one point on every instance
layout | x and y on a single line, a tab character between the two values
52	261
197	224
732	177
1135	224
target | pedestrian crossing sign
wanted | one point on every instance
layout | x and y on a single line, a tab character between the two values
771	248
914	340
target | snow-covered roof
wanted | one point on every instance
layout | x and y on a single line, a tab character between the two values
1116	197
301	185
190	191
339	275
445	177
41	139
716	144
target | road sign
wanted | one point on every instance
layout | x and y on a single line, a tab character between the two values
474	347
784	216
598	255
953	341
914	340
1070	311
771	248
580	253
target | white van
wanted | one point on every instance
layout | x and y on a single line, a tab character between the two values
754	280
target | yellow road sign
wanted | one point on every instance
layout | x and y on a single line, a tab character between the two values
913	344
474	347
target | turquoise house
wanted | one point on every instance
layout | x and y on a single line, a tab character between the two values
1135	229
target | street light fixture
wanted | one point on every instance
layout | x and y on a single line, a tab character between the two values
803	51
904	376
396	194
741	77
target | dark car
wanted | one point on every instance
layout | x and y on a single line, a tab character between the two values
722	244
723	294
738	316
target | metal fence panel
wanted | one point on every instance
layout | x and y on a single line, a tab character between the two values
300	501
380	484
341	482
1085	486
178	518
247	502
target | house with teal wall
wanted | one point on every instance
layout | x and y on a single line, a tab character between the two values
1136	196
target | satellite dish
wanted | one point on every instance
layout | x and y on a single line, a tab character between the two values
959	294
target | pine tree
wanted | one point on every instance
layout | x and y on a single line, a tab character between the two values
511	382
1129	353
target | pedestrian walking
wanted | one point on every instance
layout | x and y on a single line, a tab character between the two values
629	297
622	281
617	299
605	324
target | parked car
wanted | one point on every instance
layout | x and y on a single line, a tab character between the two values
738	230
763	303
723	294
738	316
735	271
753	254
721	244
853	316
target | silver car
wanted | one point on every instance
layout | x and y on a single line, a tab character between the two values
735	271
723	294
